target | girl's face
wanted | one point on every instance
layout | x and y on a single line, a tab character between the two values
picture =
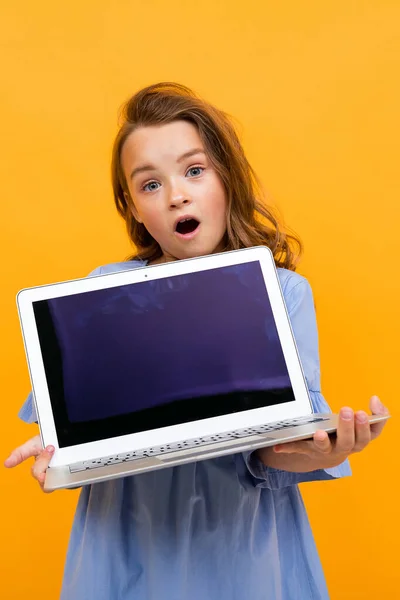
176	192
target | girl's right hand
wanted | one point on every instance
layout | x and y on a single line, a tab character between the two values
32	448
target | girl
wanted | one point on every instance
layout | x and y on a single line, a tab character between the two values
231	528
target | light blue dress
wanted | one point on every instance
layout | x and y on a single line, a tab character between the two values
223	529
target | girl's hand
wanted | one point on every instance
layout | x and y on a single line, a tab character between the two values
32	448
322	452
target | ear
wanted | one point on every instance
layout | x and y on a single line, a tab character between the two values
132	207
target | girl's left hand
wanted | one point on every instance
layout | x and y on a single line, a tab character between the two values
353	434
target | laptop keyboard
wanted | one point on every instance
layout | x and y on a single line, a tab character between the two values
193	443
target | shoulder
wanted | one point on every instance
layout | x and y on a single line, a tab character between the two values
128	265
296	289
290	281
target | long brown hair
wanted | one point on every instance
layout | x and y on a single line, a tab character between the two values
249	221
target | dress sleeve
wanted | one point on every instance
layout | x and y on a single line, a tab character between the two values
300	306
28	410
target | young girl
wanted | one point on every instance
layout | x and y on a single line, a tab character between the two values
230	528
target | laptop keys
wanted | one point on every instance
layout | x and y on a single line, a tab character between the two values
126	456
239	433
153	451
94	464
194	443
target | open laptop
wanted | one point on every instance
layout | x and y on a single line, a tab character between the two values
163	365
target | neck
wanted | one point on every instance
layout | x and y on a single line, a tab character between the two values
165	258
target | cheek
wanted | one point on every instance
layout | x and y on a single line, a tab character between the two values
217	200
143	209
151	219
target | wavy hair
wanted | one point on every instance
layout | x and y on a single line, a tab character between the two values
250	222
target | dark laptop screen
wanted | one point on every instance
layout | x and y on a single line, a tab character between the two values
161	352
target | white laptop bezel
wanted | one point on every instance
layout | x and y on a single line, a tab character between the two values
176	433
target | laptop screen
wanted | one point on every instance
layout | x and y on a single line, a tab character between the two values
161	352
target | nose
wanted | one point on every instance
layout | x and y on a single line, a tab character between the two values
178	197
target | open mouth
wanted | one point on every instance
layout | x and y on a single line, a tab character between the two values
186	226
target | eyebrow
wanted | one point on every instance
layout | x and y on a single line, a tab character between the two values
184	156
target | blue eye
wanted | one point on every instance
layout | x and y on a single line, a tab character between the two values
195	171
151	186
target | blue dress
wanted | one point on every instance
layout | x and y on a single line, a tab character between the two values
228	528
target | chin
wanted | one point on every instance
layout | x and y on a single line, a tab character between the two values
197	247
196	252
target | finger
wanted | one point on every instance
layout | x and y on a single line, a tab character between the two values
41	464
377	408
302	447
362	431
31	448
345	435
322	442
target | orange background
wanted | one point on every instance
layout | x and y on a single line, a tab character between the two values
315	88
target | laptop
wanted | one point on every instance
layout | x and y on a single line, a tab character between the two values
163	365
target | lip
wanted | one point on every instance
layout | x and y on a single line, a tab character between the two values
186	236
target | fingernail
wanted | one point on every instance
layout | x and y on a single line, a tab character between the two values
380	406
346	414
361	417
277	449
50	449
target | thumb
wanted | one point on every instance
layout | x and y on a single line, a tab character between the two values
377	408
322	442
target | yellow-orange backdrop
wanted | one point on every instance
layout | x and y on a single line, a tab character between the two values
315	88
